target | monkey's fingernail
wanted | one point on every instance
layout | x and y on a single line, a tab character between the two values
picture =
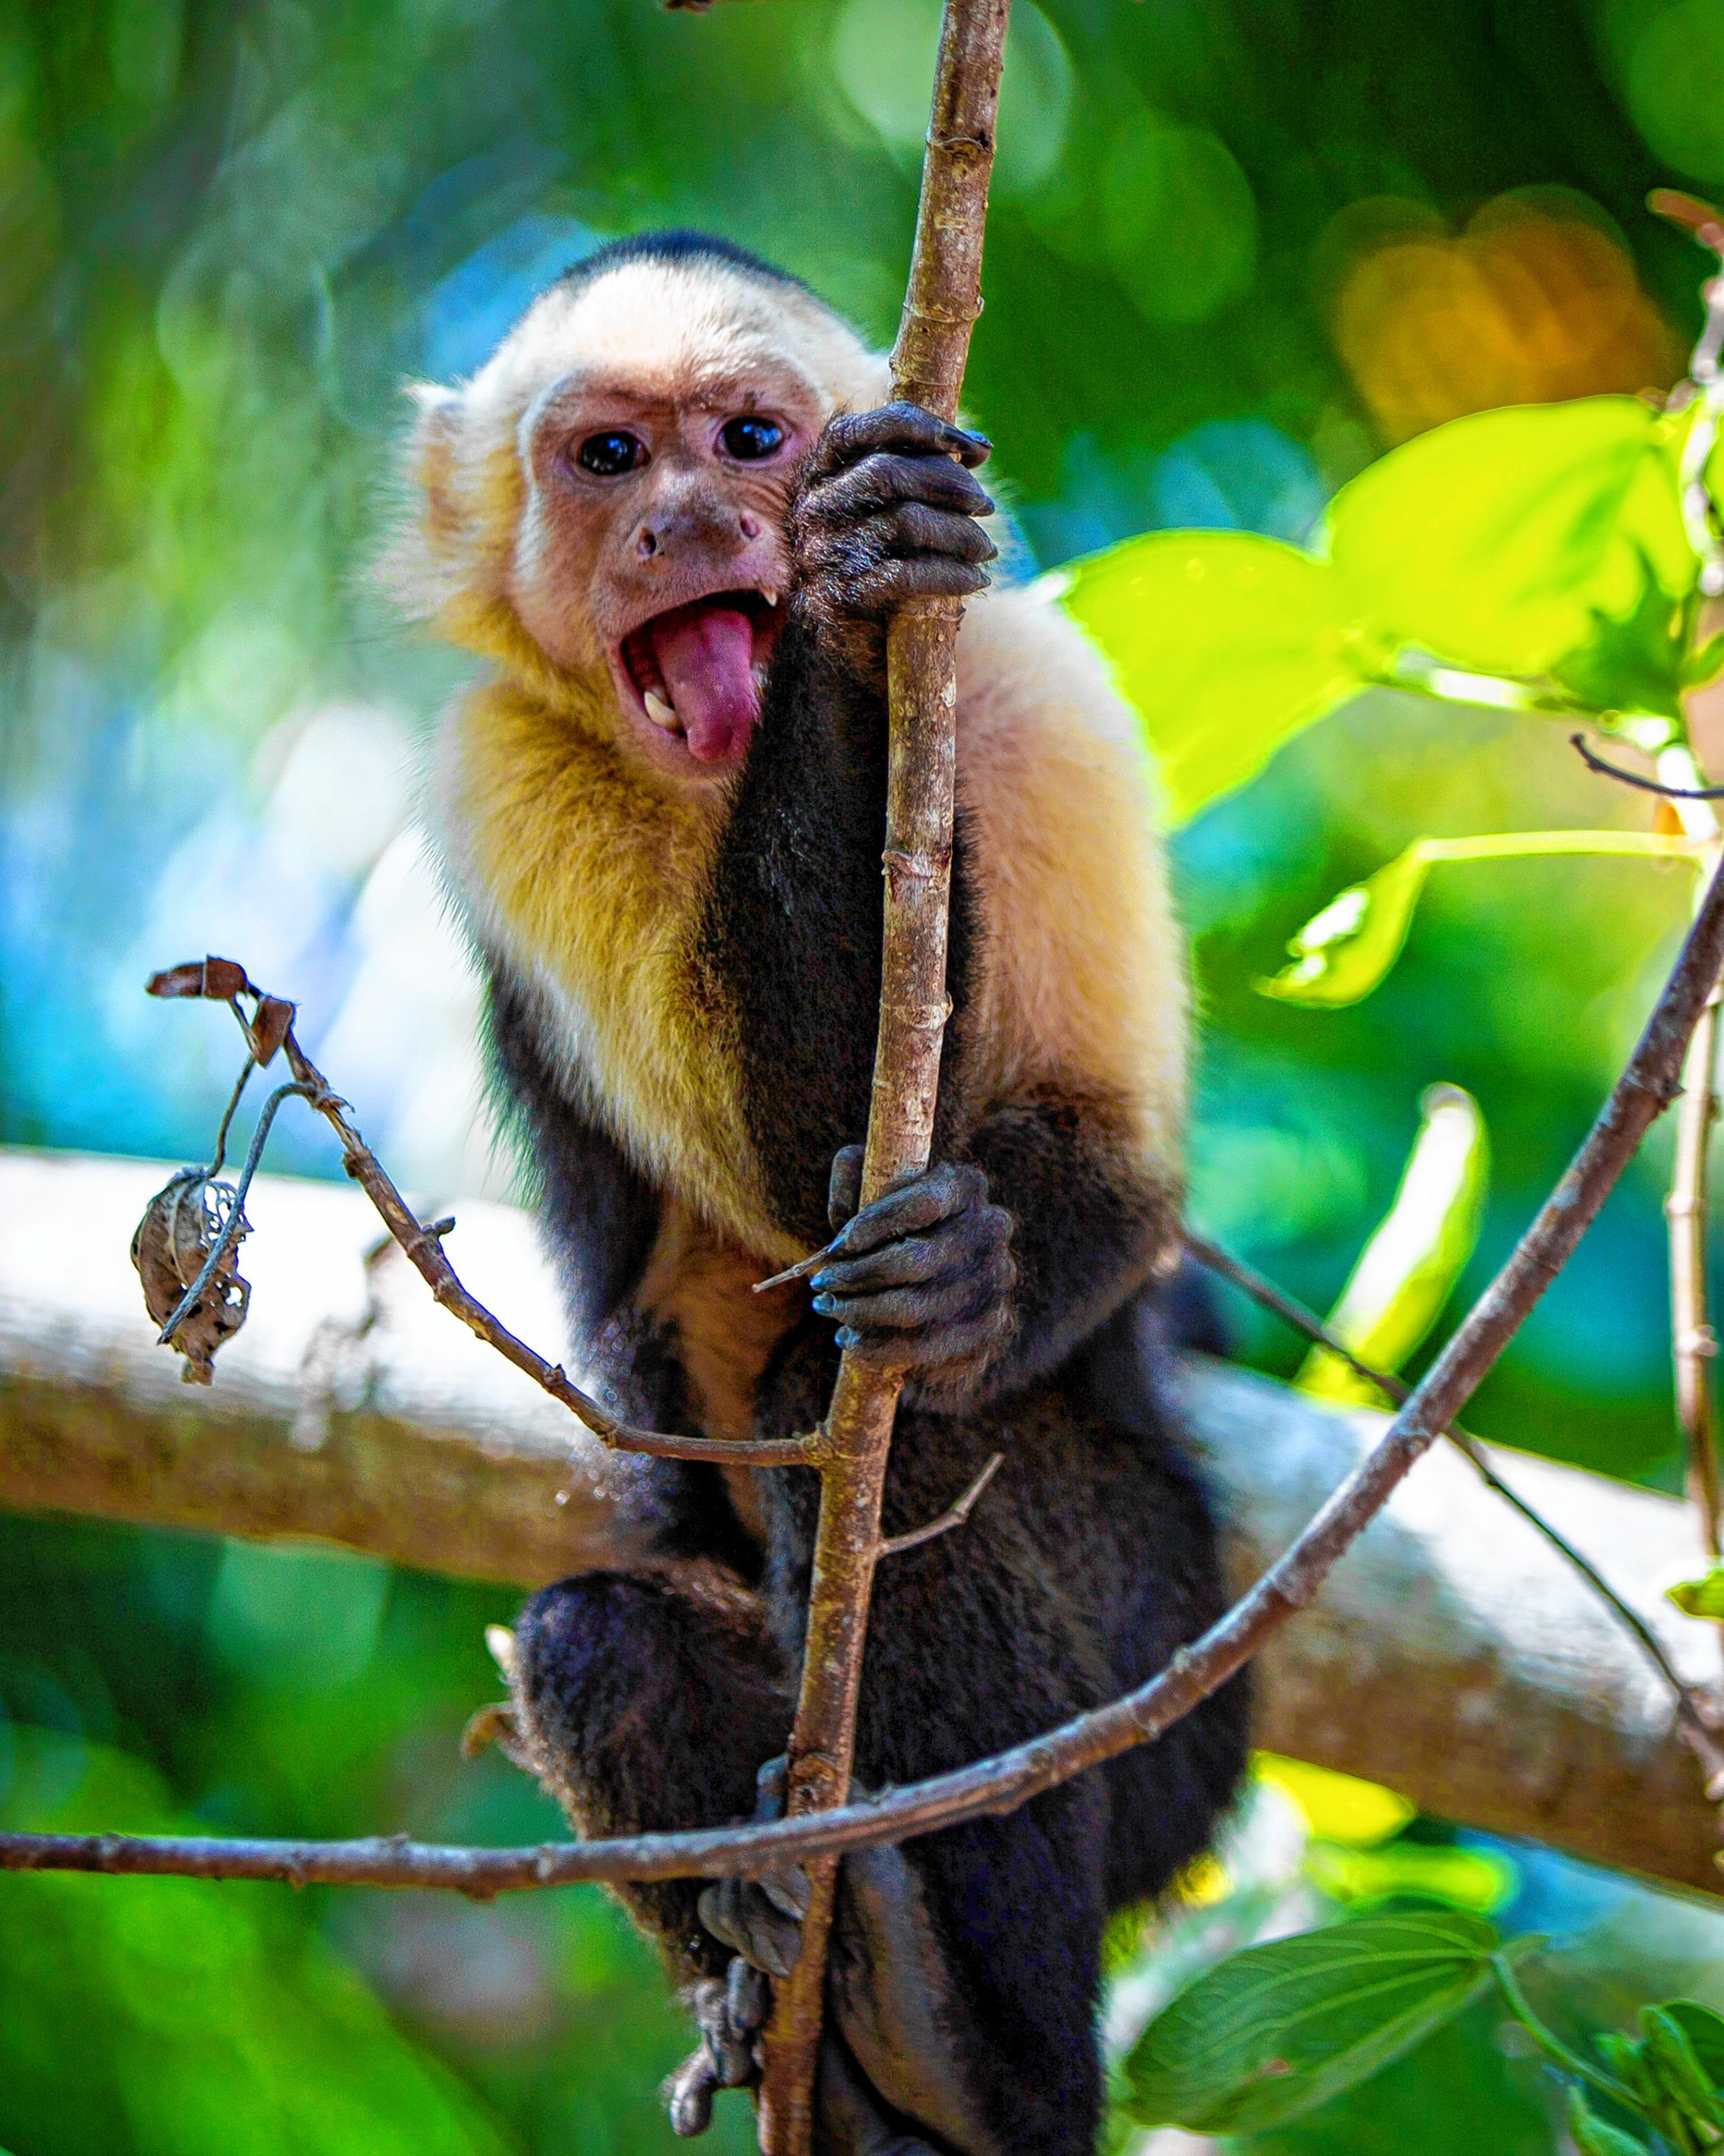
847	1337
500	1641
827	1305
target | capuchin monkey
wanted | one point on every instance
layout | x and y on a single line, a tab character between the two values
674	514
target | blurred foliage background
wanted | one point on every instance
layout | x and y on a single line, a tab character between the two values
1238	248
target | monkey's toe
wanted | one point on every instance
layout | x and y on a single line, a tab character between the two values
742	1915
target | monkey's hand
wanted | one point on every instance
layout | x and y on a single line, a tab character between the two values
885	514
922	1279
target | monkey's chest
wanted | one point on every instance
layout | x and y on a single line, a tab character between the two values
702	1285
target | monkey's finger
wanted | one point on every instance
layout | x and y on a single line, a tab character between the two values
727	2045
914	529
740	1916
886	477
787	1889
939	1193
900	426
937	1348
975	1233
844	1194
689	2094
924	577
746	1995
952	1300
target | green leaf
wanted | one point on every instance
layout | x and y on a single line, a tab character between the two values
1499	541
1677	2070
1703	663
1700	1598
1705	2032
1276	2030
1405	1274
1637	664
1476	1879
1343	952
1592	2137
1229	644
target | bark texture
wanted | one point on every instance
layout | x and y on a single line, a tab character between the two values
1451	1654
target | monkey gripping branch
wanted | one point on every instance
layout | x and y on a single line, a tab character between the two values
187	1247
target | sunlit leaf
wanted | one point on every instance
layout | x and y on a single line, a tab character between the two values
1593	2137
1337	1807
1704	663
1228	644
1276	2030
1702	1597
1498	540
1638	663
1405	1274
1343	952
1476	1879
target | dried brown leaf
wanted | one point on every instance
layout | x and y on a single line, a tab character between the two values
220	979
269	1028
180	1228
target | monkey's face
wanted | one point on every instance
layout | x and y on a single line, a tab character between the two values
654	531
614	483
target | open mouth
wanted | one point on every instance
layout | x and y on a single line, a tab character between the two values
699	669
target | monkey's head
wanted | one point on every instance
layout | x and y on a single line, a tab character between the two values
602	505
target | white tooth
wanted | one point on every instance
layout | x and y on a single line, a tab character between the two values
661	713
771	596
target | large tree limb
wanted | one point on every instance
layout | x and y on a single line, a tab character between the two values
1451	1654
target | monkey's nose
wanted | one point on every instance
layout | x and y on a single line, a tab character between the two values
713	525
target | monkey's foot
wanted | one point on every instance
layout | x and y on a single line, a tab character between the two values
761	1920
729	2011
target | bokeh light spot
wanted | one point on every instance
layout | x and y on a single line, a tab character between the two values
1675	70
883	59
1181	222
1536	301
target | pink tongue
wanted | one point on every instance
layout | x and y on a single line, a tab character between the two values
706	655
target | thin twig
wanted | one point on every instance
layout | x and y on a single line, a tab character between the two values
1691	1708
1000	1785
954	1516
422	1246
235	1225
943	301
800	1270
228	1114
1593	761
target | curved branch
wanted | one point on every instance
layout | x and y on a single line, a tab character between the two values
1001	1785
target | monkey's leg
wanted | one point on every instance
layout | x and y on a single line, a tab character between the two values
648	1701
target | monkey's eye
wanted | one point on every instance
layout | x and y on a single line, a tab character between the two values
610	454
748	440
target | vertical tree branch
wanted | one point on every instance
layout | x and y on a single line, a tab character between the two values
944	299
1694	1343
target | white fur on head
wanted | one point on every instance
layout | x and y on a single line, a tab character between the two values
668	324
